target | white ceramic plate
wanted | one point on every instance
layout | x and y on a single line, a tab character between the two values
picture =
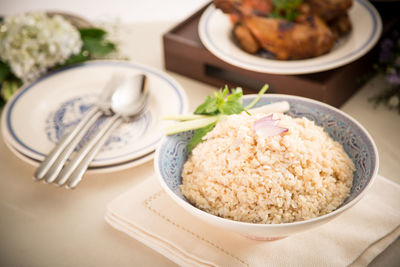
215	30
91	170
42	112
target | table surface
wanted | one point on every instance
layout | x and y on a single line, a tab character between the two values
43	225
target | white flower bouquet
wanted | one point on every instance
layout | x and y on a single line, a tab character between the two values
35	43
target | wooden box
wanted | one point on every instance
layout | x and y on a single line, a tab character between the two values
185	54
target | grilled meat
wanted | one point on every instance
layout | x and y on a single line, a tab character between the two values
340	25
312	33
329	9
245	38
289	40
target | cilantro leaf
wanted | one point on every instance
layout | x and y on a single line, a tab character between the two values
233	103
236	95
212	110
198	137
208	107
285	9
231	107
222	103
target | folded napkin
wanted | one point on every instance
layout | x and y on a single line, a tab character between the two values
355	238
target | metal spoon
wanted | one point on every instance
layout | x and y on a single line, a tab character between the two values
53	162
127	103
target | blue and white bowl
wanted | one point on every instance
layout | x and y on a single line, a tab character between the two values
356	141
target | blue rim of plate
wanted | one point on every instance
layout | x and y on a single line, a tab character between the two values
91	169
174	85
204	27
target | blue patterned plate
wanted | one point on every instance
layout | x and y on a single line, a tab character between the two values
358	144
43	112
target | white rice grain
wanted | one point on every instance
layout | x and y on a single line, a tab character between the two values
298	175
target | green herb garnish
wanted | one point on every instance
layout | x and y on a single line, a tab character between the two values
286	9
222	103
210	112
198	136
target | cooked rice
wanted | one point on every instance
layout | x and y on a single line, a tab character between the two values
295	176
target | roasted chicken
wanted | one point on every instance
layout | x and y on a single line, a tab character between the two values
329	9
313	32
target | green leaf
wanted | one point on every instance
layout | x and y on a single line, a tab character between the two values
291	14
97	47
213	108
4	71
208	107
236	95
286	4
2	103
225	92
233	103
220	96
231	107
92	33
198	137
285	9
8	88
81	57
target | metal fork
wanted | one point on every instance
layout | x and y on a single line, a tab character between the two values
54	161
127	105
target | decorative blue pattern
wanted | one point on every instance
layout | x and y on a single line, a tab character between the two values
173	151
69	113
128	65
341	128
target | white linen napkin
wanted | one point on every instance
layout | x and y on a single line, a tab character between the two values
355	238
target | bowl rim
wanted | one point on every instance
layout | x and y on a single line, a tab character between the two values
191	208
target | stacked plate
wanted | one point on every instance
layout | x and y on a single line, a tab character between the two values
36	118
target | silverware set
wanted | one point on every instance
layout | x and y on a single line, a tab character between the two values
123	99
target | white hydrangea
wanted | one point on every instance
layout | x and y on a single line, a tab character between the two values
32	43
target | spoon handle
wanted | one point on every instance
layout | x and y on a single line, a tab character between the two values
80	170
66	145
100	137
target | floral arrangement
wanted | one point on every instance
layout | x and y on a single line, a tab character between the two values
35	43
389	66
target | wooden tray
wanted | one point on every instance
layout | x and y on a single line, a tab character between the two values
185	54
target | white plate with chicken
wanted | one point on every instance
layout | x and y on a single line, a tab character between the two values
306	36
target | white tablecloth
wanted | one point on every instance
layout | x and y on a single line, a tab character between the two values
42	225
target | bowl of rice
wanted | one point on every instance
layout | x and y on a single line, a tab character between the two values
271	186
